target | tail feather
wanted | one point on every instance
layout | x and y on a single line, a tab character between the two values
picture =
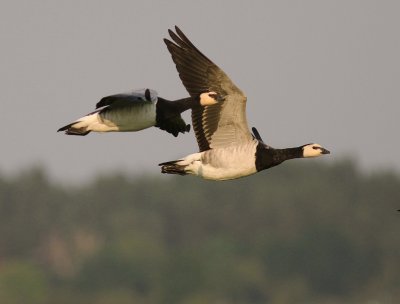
83	125
65	127
70	130
172	167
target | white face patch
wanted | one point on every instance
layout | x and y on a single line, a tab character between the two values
207	100
312	150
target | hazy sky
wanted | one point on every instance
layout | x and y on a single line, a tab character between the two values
313	71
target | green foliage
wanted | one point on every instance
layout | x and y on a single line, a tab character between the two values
299	233
22	282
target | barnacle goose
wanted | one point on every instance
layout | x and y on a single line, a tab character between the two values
133	111
227	148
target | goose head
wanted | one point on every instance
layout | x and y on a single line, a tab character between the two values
209	98
314	150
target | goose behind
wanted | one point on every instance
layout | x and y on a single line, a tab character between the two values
133	111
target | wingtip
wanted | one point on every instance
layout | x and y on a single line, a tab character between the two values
179	31
147	95
167	42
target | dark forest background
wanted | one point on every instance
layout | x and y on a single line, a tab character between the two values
304	232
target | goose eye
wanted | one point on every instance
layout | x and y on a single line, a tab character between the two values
316	148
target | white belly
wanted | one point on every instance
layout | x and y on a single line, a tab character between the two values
132	118
209	172
226	163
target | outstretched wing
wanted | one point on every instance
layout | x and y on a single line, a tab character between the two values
223	123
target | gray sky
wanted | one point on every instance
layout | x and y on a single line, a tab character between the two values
313	71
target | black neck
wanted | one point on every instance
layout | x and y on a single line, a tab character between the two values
177	106
185	103
289	153
267	158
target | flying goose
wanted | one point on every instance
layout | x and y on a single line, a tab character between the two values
133	111
227	148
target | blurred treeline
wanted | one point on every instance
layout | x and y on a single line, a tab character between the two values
304	232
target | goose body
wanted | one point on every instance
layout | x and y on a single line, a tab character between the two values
228	149
217	164
133	111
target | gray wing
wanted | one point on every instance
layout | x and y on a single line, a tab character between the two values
125	99
217	125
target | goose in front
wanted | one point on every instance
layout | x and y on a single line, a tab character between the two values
133	111
228	149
